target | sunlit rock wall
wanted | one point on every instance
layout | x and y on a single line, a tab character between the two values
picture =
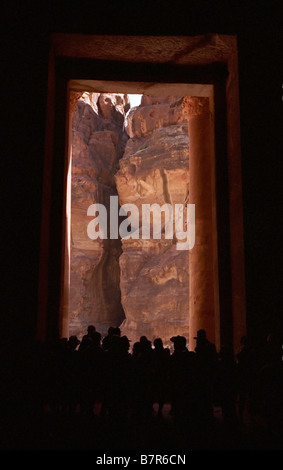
98	140
155	169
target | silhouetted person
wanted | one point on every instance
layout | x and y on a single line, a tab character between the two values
266	400
73	343
205	350
136	352
184	382
92	373
180	344
117	331
145	345
160	373
111	337
207	360
91	330
71	365
118	389
226	387
107	339
246	365
142	398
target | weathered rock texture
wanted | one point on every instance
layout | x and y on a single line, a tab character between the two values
98	140
155	169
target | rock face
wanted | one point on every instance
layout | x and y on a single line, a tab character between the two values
141	285
155	169
98	140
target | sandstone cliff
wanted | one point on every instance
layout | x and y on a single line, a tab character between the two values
155	169
141	285
98	140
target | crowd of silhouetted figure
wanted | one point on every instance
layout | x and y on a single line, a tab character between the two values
126	379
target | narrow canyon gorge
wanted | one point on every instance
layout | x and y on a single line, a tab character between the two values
140	154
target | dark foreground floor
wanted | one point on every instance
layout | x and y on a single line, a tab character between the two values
60	431
25	424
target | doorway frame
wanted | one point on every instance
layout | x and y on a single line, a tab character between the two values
209	64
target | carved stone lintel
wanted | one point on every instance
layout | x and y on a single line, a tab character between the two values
194	105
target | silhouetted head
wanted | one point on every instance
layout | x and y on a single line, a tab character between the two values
91	330
201	335
111	330
73	342
158	343
116	331
143	339
145	344
125	343
136	348
179	342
